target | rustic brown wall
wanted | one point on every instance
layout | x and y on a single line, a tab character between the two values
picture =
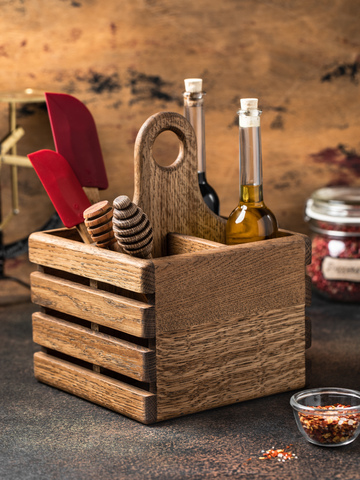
127	60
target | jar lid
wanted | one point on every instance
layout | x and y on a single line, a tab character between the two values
335	205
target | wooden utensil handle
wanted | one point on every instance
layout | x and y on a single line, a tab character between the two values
152	128
84	234
170	196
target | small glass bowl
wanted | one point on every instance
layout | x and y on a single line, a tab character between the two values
329	417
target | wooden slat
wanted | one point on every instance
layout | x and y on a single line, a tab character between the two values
178	244
307	243
308	250
308	332
97	306
95	326
308	290
230	361
92	262
229	282
98	348
113	394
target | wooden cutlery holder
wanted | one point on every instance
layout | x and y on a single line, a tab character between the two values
200	325
219	324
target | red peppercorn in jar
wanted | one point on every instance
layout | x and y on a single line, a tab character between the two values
333	215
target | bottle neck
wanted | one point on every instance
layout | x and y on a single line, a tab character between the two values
194	113
251	190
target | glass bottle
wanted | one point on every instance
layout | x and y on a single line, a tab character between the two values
251	220
194	113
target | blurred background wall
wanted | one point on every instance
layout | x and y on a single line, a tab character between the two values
127	60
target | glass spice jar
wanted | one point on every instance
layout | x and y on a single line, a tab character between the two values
333	215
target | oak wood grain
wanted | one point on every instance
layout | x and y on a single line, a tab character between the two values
229	282
94	347
308	289
170	196
104	308
308	330
86	238
107	392
230	320
178	244
118	269
307	242
229	361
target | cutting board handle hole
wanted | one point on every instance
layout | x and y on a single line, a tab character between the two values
166	148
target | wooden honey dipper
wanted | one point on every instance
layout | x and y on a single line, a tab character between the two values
98	221
132	228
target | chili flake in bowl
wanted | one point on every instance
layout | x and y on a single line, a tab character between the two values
329	417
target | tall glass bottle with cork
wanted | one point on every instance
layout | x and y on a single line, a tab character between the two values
251	220
194	112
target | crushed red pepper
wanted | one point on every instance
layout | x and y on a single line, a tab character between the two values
280	453
326	429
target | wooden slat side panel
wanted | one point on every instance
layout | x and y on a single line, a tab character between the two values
308	290
92	262
113	394
213	365
229	282
107	309
178	244
307	243
308	332
100	349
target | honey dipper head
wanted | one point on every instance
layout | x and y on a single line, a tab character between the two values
98	221
132	228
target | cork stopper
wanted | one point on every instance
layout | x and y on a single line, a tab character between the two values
249	114
193	85
249	103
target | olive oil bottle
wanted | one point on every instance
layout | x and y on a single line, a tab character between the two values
194	112
251	220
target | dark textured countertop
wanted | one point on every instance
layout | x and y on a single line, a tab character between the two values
48	434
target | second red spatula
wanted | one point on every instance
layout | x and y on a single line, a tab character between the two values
76	138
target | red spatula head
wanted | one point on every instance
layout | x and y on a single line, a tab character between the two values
76	138
62	186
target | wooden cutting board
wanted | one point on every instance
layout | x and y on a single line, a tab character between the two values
170	196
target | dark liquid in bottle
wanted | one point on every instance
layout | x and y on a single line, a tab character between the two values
209	195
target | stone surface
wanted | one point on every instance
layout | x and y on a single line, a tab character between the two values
46	433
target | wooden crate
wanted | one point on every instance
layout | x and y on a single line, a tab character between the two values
204	326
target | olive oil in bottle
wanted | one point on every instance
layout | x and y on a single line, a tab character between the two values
251	220
194	112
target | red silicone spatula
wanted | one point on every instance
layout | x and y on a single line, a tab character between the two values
63	188
76	138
